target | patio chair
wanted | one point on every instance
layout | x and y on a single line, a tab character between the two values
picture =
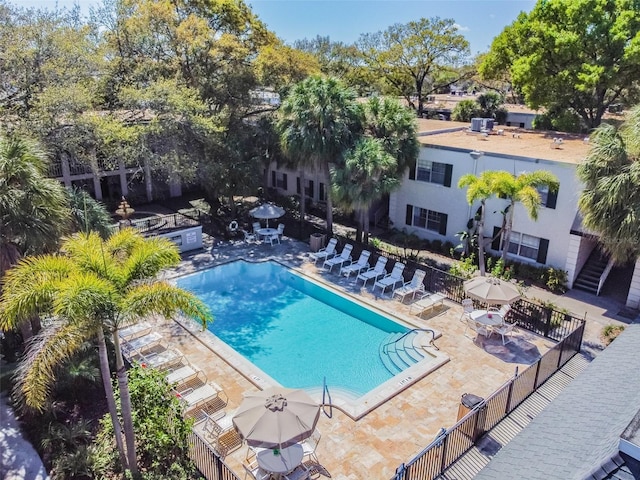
134	331
274	238
357	267
412	287
301	472
477	327
217	424
505	330
375	272
391	280
502	311
193	397
252	469
467	308
324	253
281	230
249	237
310	444
344	257
162	359
427	302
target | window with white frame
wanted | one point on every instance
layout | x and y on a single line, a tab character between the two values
543	191
427	219
524	245
432	172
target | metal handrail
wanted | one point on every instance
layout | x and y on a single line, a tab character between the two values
605	274
326	393
433	337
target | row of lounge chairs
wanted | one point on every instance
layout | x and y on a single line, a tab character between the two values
378	274
200	397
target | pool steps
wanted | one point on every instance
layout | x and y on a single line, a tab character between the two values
398	352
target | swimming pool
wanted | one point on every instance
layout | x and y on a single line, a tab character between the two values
293	329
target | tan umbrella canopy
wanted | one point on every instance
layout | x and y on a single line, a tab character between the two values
491	291
276	417
267	211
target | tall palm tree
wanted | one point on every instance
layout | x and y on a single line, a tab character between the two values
318	122
479	189
521	189
368	173
610	201
93	286
34	210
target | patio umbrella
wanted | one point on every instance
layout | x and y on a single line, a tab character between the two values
267	211
491	291
276	417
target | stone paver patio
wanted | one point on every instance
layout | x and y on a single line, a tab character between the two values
393	433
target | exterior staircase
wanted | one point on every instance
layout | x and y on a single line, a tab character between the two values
589	277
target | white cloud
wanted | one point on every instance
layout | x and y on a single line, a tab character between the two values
461	28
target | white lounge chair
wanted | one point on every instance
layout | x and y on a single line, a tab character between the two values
375	272
183	374
344	257
324	253
357	267
412	287
391	280
139	345
134	331
427	302
193	397
160	360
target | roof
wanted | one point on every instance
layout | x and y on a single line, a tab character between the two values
577	435
511	142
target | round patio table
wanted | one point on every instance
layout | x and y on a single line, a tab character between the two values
266	232
287	459
491	319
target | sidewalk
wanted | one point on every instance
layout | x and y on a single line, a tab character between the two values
18	459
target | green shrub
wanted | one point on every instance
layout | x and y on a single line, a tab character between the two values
556	280
436	246
465	110
465	267
447	248
610	333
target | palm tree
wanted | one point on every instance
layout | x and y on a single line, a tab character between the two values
92	286
368	173
34	211
523	189
394	124
479	189
318	122
610	201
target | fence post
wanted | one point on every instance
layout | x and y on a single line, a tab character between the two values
400	472
507	407
547	325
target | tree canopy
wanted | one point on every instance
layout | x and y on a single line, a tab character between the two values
582	55
415	58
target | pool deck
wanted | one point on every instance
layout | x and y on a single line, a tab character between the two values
376	444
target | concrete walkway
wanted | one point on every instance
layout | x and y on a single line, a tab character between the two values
18	458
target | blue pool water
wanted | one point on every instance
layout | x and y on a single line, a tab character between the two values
294	330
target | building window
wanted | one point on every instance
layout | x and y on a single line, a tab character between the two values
427	219
524	245
432	172
547	198
279	180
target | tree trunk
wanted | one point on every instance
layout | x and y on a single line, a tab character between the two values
508	225
125	407
365	225
481	262
111	401
359	225
329	201
303	203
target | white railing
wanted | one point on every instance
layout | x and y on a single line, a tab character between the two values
604	275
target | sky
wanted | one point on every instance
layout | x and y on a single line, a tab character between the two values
345	20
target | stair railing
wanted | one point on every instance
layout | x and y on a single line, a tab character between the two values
326	395
413	330
605	274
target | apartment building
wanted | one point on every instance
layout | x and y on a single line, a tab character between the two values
430	204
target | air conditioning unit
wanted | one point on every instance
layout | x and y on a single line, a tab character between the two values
487	123
476	124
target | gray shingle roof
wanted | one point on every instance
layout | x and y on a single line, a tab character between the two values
578	433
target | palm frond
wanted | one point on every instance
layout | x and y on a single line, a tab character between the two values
163	299
52	346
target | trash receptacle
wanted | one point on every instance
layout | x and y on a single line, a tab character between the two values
316	242
467	403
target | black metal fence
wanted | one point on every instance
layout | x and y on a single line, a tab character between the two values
163	223
448	447
207	460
